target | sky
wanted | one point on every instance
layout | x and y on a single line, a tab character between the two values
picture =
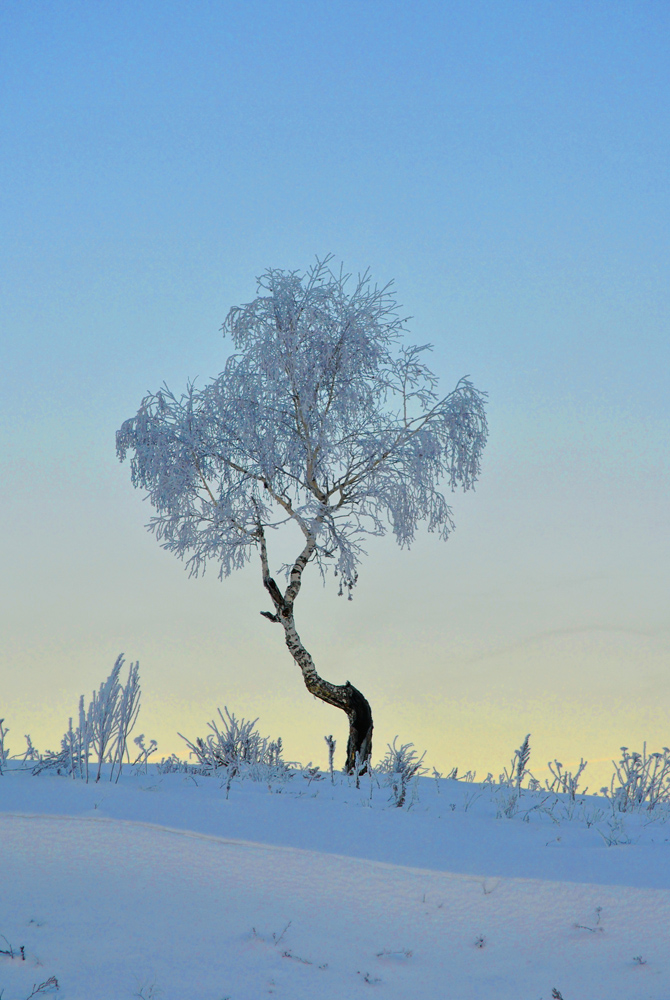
506	166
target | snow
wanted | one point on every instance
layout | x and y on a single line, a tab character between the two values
160	886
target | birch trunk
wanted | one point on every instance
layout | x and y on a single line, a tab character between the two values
343	696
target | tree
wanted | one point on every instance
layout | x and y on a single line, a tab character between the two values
321	418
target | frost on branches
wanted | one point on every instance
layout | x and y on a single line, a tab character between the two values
320	417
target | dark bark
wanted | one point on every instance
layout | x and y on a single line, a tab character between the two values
343	696
359	745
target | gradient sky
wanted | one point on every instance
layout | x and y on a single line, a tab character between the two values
505	163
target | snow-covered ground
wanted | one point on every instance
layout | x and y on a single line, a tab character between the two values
161	886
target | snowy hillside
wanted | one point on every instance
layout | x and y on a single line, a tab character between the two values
188	886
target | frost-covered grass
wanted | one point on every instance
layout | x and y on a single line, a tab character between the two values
231	873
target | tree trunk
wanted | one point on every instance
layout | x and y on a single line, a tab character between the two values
343	696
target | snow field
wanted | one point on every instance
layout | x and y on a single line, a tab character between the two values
115	907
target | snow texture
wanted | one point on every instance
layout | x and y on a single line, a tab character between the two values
160	886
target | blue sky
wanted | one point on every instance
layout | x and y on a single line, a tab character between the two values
506	164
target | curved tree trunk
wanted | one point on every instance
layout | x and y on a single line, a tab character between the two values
343	696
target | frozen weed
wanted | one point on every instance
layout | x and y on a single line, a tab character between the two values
311	773
367	978
103	730
303	961
10	952
140	762
4	751
508	802
173	765
597	927
541	807
276	938
30	753
148	991
565	781
286	953
617	835
401	765
50	985
331	744
592	815
640	780
470	798
518	767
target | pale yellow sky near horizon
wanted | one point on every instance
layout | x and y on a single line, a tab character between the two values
528	619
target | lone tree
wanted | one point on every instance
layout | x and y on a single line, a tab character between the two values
321	418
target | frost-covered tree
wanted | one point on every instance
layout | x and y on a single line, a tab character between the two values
321	418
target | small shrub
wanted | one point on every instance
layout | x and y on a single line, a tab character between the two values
400	766
239	750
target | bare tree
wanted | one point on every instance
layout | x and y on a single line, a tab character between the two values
322	419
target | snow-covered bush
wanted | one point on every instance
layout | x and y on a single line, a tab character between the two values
103	730
239	749
640	779
399	767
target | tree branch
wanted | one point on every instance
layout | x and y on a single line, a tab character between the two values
268	582
295	578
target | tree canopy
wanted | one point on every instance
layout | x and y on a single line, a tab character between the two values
321	416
